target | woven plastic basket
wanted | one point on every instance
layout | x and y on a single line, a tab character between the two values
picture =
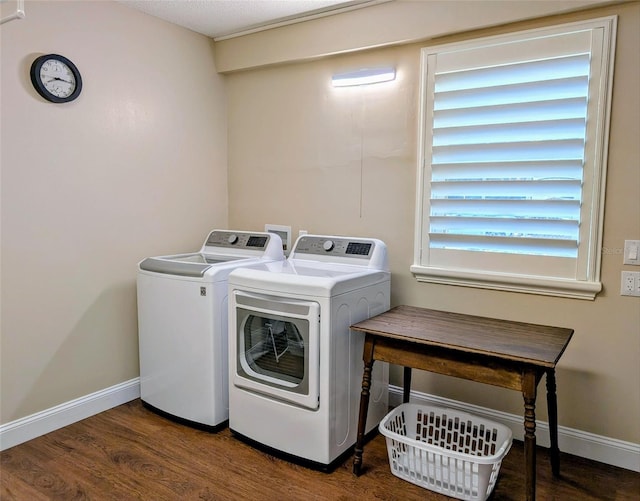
446	451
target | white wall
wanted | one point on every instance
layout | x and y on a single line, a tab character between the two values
135	167
343	161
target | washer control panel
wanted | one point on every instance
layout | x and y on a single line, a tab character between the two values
237	239
335	246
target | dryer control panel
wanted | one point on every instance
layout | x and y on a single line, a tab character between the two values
335	246
369	253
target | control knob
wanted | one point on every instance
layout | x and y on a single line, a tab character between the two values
233	239
328	245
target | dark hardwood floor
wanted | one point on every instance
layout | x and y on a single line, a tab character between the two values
131	453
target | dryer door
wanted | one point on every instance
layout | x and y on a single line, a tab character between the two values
277	352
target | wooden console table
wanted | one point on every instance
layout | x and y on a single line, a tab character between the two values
502	353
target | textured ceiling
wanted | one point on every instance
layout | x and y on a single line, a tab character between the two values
220	18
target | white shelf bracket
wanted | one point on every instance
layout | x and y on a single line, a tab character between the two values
18	14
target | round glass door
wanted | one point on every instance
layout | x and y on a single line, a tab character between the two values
274	348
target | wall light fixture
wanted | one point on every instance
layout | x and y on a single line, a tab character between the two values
363	77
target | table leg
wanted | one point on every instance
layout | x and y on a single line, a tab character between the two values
552	406
406	385
529	393
367	356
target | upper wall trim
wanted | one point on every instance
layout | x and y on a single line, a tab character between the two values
331	11
383	24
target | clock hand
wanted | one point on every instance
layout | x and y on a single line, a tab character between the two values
61	79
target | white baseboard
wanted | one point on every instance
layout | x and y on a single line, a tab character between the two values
576	442
579	443
40	423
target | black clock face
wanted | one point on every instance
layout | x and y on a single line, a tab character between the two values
56	78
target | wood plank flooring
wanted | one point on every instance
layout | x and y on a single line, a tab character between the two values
130	453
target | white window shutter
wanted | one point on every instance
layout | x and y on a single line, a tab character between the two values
513	134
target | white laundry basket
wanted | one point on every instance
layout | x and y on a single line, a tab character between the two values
446	451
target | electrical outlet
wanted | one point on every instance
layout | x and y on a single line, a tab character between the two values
630	283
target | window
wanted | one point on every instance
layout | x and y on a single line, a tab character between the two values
512	160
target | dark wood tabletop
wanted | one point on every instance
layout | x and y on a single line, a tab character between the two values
539	345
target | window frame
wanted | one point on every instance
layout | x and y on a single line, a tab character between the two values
587	283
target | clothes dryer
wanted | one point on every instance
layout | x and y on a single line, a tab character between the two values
182	325
295	366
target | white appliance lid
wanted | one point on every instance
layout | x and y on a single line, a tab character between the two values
320	265
306	279
220	249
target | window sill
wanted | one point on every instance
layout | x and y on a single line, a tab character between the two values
573	289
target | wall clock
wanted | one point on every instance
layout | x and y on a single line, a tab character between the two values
56	78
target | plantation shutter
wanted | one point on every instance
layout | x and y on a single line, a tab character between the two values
509	150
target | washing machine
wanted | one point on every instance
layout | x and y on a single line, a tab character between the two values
295	367
182	325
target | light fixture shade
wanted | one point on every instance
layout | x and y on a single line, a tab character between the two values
364	76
